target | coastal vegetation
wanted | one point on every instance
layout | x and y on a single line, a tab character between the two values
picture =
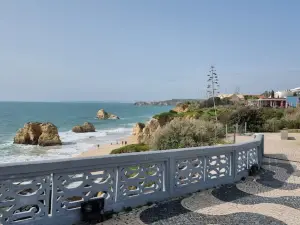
187	133
257	119
131	148
192	124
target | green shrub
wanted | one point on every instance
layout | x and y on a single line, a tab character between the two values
187	133
252	116
273	125
131	148
292	114
165	117
294	130
269	113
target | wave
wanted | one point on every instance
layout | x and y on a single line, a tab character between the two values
71	137
73	144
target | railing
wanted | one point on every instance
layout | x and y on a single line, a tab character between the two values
51	192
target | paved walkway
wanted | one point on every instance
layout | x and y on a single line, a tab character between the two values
272	197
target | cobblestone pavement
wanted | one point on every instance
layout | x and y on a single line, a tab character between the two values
271	197
275	146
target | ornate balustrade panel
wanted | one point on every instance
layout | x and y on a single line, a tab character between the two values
252	157
189	171
24	199
71	189
246	158
241	160
218	166
140	179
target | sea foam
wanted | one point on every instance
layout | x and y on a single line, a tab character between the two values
73	144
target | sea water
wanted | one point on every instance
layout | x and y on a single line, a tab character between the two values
65	115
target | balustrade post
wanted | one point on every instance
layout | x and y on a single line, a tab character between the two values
233	163
117	180
170	176
261	149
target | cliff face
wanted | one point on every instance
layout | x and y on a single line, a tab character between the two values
179	108
144	132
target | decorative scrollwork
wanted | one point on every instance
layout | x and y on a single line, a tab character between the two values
189	171
24	199
218	166
73	189
136	180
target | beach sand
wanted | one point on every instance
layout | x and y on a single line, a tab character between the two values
107	148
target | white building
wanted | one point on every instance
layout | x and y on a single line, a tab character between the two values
296	90
283	94
286	93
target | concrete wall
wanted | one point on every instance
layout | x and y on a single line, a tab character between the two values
51	192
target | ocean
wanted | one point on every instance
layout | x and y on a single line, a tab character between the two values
13	115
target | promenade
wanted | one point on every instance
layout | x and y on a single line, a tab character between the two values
271	197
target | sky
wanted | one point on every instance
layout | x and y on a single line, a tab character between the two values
116	50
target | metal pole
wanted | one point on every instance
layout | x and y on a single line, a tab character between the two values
245	127
226	131
236	128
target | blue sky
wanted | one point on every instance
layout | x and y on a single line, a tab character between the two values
131	50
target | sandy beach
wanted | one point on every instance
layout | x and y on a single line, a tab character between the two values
107	148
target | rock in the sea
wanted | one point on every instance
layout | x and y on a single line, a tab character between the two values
86	127
103	115
113	117
35	133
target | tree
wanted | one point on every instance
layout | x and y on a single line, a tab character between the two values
267	94
212	87
272	94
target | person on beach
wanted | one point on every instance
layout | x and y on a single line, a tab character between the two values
122	142
98	146
125	142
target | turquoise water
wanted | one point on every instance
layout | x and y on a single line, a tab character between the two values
13	115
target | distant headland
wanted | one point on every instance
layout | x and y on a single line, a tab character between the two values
165	102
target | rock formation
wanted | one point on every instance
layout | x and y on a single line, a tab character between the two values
103	115
35	133
138	131
138	128
113	117
181	108
144	132
86	127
